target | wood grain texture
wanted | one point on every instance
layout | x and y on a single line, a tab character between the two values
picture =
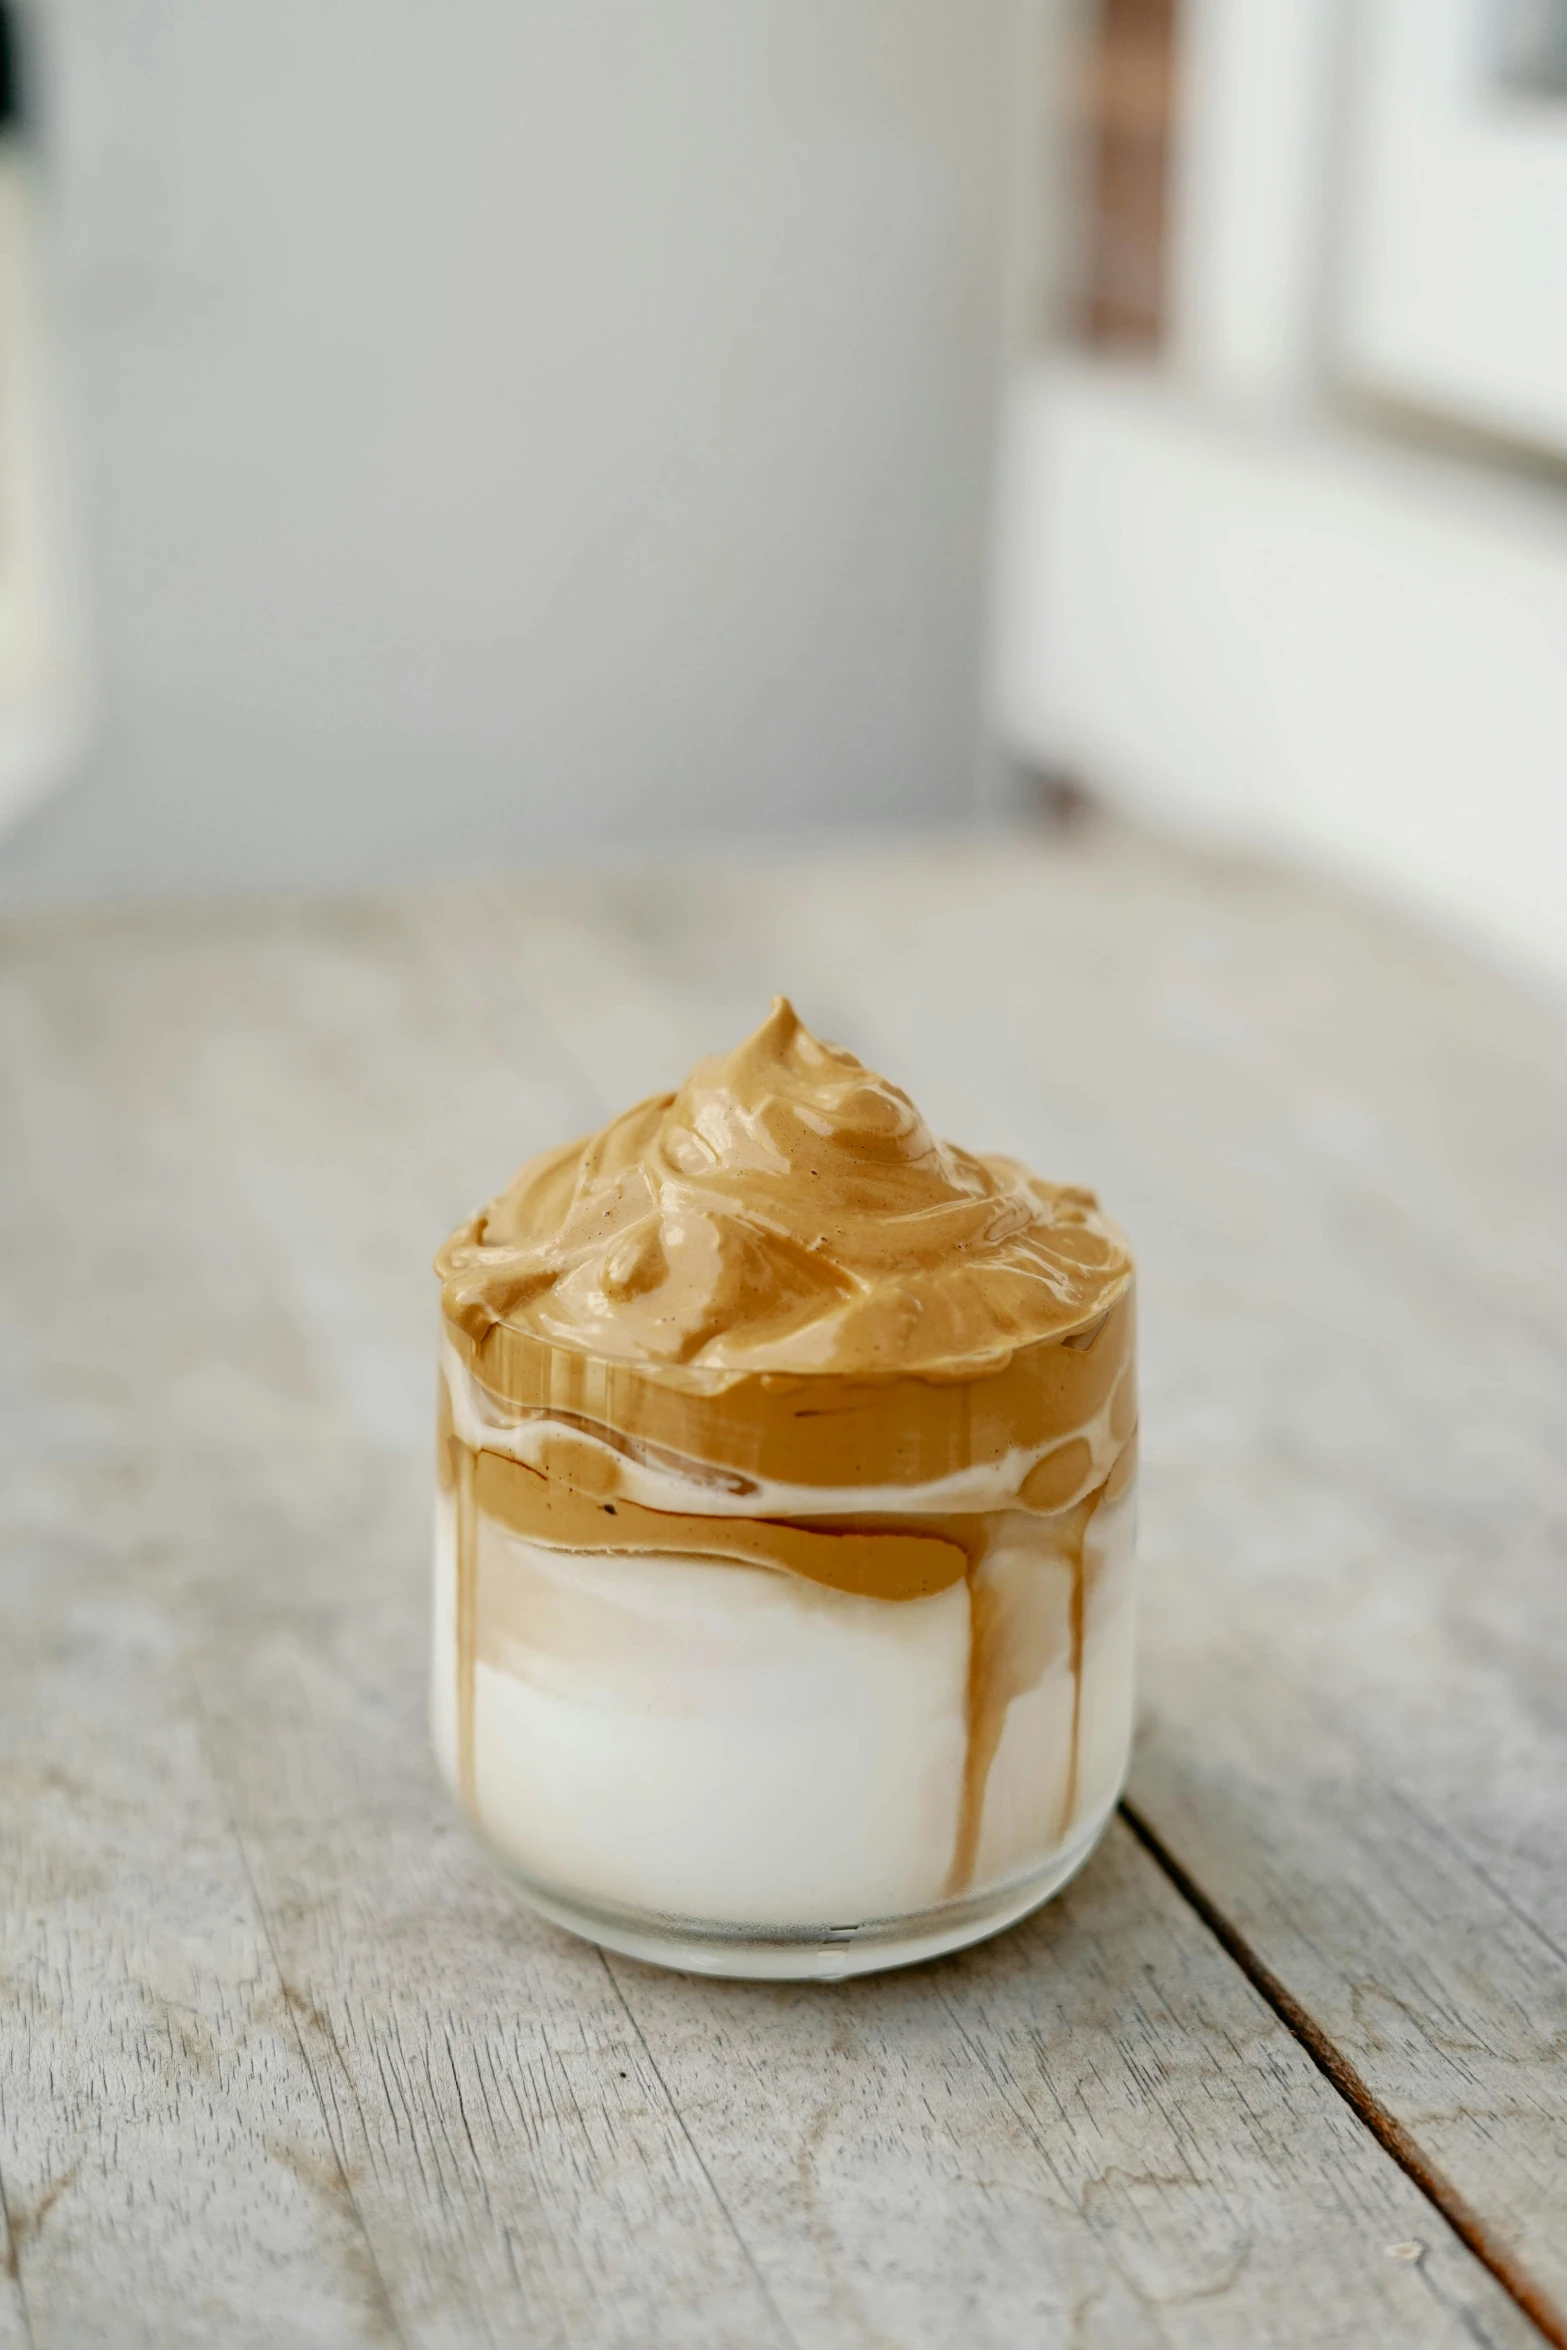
168	2175
1343	1153
321	2080
1083	2132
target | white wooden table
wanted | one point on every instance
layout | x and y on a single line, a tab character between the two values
281	2063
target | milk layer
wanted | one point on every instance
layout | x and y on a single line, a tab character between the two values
731	1744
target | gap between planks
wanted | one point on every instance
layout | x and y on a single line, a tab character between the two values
1342	2076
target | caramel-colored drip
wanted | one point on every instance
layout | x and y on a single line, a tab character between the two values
891	1559
1114	1486
467	1615
877	1558
1078	1609
454	1475
1000	1669
445	1432
985	1721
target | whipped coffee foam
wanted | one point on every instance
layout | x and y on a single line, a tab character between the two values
779	1270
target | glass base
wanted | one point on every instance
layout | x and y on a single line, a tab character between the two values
793	1954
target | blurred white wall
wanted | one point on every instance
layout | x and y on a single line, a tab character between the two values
1245	595
521	426
1296	641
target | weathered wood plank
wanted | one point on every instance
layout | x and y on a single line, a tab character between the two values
1084	2132
1092	2131
1179	2173
1344	1156
168	2176
519	2163
508	2153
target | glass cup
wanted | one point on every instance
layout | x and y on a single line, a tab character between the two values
711	1698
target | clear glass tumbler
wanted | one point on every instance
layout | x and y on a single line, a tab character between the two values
710	1700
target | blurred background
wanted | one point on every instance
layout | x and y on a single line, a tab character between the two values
534	434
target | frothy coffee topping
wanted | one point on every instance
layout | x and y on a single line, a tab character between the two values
786	1210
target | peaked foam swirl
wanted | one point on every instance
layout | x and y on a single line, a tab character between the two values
786	1211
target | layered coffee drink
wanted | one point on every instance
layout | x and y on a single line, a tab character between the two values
783	1606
